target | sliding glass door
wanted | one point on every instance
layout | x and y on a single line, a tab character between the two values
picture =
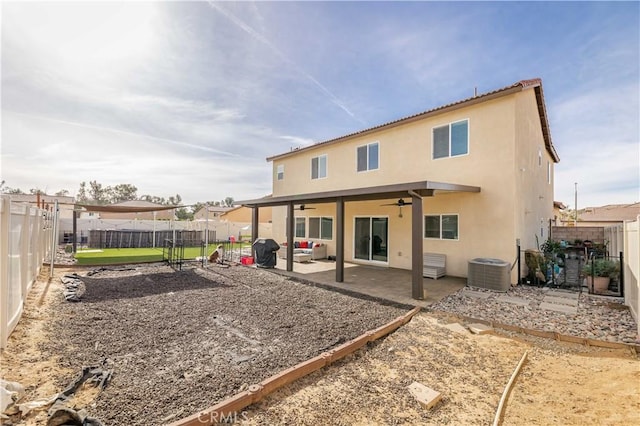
370	238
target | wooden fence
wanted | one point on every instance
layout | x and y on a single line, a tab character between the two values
25	243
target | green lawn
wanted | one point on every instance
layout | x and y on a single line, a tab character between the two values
137	255
129	255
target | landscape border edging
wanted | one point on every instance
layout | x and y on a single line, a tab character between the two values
230	407
547	334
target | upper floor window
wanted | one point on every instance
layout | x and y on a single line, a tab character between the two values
549	172
451	140
319	167
368	157
280	172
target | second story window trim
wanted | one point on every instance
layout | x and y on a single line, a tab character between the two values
319	167
280	172
450	140
368	157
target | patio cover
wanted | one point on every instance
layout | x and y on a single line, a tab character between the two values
415	190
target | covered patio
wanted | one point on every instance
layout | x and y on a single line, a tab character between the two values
385	283
414	190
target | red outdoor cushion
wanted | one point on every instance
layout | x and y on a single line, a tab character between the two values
304	244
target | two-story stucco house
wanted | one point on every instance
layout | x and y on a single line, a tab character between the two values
475	177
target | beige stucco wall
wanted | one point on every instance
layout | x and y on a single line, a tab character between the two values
243	214
533	207
160	215
504	137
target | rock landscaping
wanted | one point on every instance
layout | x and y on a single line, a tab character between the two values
596	317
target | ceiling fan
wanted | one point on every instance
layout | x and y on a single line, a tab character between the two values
302	207
399	203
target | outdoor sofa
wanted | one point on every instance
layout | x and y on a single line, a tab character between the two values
316	250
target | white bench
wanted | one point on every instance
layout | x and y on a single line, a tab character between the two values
434	265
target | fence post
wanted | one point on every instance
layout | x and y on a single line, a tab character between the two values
621	279
519	260
54	237
5	219
24	252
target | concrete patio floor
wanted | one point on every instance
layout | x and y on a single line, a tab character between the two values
385	283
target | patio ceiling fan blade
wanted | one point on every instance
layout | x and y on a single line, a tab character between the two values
400	203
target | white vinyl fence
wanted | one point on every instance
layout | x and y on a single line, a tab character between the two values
614	237
632	268
25	242
217	229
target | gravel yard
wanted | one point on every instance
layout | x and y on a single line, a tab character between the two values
178	342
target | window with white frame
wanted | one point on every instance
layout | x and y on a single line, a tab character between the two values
321	228
368	157
319	167
451	140
280	172
549	172
301	228
442	227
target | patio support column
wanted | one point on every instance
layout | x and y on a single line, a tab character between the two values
417	291
290	233
254	228
74	241
340	240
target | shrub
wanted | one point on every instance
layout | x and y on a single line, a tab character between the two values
602	268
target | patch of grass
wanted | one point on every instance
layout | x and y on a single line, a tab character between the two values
137	255
129	255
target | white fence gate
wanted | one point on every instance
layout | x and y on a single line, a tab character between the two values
632	268
25	241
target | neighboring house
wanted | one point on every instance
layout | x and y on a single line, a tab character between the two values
213	212
135	209
558	207
611	214
479	173
65	204
242	214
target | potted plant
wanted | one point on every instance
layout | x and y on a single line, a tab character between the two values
599	273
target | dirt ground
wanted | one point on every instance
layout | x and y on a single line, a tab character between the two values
559	383
155	382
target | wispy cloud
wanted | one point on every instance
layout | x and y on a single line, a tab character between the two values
596	133
172	95
181	144
262	39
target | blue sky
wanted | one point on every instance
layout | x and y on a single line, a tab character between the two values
190	98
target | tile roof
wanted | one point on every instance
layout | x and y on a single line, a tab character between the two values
535	83
610	212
